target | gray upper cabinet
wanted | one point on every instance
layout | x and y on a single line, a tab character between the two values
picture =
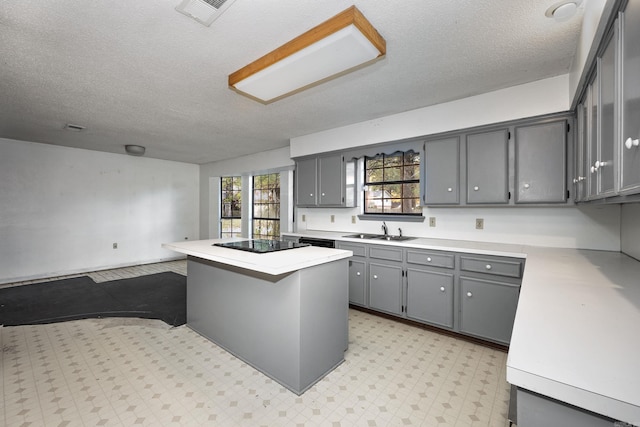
605	163
331	183
540	163
580	156
592	137
321	182
487	167
629	142
306	182
442	174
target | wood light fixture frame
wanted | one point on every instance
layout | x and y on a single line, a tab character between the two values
349	17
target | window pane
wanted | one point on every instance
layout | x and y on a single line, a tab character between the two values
395	206
230	206
373	162
394	160
374	175
393	173
411	190
266	206
411	158
412	172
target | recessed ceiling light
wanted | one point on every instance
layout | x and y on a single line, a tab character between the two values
563	10
134	150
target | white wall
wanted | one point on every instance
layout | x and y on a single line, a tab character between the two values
61	209
630	230
589	227
527	100
593	13
265	162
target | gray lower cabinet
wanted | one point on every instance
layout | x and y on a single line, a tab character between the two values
357	272
385	287
357	282
430	296
540	163
471	294
488	308
488	167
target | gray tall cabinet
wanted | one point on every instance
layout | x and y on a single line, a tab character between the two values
607	154
630	138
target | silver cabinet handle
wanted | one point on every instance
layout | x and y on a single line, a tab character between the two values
311	194
488	266
630	143
476	188
375	276
428	259
357	273
441	288
323	194
469	294
449	189
526	186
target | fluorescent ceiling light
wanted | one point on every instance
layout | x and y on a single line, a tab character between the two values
339	44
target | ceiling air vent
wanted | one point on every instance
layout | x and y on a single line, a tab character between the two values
204	11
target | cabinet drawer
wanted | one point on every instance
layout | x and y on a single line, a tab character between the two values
358	250
435	259
510	267
388	253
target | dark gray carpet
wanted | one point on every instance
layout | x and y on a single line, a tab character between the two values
156	296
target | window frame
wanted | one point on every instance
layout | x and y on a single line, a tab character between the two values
382	157
229	234
276	204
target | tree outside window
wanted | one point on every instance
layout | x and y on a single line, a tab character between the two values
392	184
266	206
230	206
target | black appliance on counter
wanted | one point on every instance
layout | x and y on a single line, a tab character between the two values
261	246
313	241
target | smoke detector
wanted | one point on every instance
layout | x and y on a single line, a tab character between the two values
204	11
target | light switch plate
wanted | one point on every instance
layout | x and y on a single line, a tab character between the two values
353	219
304	217
432	221
333	218
479	223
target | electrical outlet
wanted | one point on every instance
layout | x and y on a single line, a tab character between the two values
432	221
186	238
353	219
479	223
115	246
333	218
304	217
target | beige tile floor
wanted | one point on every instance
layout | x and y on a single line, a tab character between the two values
129	372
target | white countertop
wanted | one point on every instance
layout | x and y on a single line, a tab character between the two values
576	336
274	263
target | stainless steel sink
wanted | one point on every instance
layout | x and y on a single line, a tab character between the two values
394	238
363	236
379	237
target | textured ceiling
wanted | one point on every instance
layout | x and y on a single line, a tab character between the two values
138	72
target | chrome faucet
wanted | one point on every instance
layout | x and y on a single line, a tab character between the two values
400	232
385	229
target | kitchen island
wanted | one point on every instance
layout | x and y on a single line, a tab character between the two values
285	313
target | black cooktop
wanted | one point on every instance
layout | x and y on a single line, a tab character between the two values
261	246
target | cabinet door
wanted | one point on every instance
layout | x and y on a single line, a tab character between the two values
331	181
357	282
487	167
306	176
606	166
541	158
385	288
488	308
580	152
629	143
442	160
592	141
430	297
